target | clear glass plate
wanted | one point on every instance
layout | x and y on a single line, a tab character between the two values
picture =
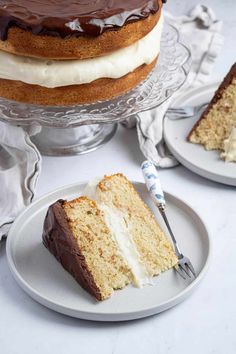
166	78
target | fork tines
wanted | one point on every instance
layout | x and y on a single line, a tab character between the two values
185	268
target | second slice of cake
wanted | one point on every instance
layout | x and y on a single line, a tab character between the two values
108	238
216	128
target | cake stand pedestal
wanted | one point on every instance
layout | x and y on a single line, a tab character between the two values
73	141
69	130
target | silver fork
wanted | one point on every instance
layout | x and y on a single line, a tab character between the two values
185	112
184	267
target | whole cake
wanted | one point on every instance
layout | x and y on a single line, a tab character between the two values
107	238
216	128
69	52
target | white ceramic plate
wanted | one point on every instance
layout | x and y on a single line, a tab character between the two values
193	156
44	279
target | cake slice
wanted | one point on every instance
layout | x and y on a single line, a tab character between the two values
219	119
107	238
76	234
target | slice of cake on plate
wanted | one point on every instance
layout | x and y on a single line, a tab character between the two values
216	128
107	238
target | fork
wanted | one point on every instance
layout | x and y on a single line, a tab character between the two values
184	112
184	267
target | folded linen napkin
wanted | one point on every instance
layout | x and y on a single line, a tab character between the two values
20	166
201	30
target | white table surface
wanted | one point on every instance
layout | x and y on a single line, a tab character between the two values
205	322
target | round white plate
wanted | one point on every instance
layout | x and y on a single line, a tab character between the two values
193	156
44	279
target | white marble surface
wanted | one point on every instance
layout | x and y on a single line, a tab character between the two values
204	323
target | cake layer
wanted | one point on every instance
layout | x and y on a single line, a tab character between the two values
99	90
154	249
70	17
116	221
94	239
216	123
55	73
57	237
112	30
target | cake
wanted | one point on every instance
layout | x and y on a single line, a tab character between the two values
215	129
107	238
76	51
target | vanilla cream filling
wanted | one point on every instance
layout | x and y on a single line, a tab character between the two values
115	221
57	73
229	153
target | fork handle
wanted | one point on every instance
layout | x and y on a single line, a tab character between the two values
154	187
153	182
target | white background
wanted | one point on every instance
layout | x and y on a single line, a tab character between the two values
204	323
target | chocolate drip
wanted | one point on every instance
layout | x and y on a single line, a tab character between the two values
66	18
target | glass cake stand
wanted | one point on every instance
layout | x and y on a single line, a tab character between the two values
67	130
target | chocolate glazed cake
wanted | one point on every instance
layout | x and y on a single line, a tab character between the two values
72	52
107	238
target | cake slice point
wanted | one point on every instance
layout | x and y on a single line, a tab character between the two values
219	118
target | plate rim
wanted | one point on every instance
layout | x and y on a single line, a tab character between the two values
93	315
201	171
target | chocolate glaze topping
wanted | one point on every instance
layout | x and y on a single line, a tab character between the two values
57	237
67	18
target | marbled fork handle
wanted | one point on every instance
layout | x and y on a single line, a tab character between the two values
184	266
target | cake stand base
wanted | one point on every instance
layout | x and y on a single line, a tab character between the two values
73	141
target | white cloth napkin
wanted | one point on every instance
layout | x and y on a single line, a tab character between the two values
201	30
20	166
